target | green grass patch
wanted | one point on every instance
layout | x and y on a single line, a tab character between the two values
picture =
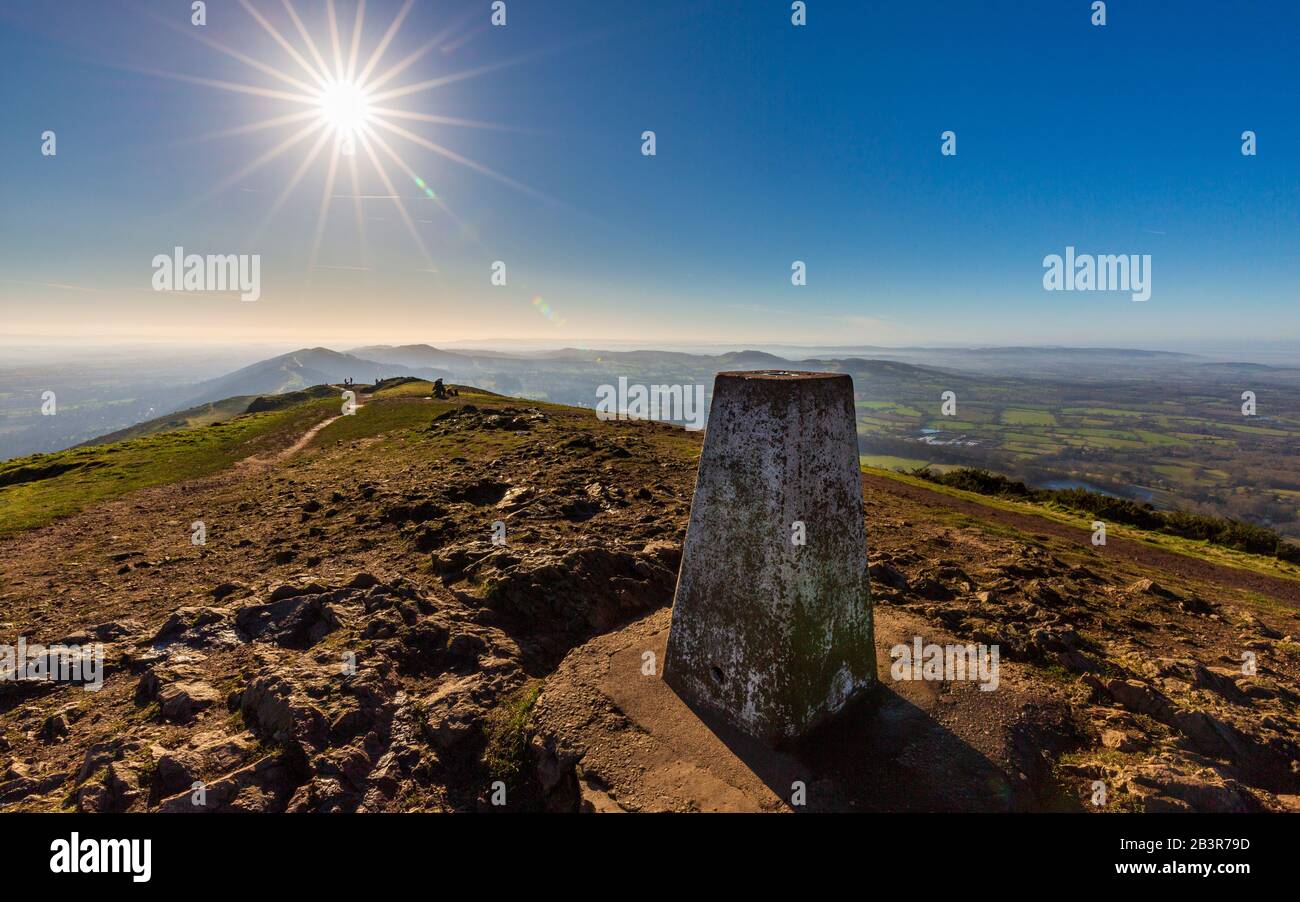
1258	430
1017	416
890	462
890	407
387	413
37	489
1158	438
403	388
507	733
1103	412
1184	526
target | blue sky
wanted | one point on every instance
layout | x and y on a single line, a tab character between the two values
775	143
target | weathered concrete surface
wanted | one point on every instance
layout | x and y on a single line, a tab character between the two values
770	634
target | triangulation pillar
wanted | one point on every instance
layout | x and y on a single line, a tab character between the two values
771	623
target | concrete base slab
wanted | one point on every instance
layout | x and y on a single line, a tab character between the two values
634	745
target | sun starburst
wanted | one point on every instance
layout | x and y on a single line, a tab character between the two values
337	96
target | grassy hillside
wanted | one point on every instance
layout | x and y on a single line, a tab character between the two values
35	490
1259	563
213	413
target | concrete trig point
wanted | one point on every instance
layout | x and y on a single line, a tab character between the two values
774	635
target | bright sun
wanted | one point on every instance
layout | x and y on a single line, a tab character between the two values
345	107
349	99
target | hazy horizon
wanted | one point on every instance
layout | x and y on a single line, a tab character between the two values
47	350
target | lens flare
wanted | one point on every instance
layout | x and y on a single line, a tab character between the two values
545	310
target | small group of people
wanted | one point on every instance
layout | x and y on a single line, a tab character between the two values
442	391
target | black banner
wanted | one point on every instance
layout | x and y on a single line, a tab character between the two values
133	853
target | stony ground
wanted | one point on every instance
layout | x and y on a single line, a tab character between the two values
352	638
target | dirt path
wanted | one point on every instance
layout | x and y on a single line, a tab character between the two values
306	437
257	463
1126	549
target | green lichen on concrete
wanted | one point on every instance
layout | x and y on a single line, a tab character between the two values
819	653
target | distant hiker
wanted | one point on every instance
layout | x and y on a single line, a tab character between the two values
439	390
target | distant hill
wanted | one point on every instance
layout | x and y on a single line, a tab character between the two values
879	369
301	369
748	359
1245	367
414	356
1058	352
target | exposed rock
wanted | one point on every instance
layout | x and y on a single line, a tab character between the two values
1119	741
414	511
263	786
889	576
198	627
369	680
363	581
174	771
291	591
276	710
165	672
116	788
223	590
18	786
1254	625
1164	786
180	701
54	728
478	492
452	716
294	621
1062	645
582	590
1147	586
114	630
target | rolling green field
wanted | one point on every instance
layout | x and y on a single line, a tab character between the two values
1020	417
1176	446
890	462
